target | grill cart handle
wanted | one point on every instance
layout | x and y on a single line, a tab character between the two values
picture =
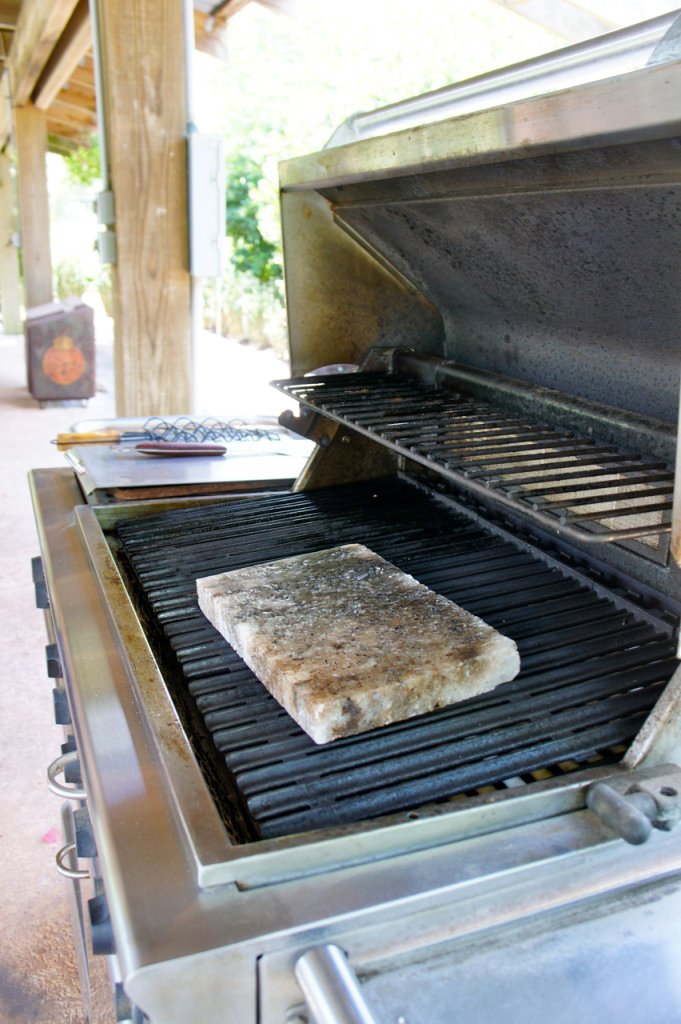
57	766
331	987
62	858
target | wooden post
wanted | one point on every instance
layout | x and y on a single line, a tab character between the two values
142	53
9	265
30	135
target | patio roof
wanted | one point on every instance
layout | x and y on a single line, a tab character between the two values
46	48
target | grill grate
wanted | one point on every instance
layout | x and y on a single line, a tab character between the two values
586	491
592	667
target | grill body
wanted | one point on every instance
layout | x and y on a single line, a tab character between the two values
506	282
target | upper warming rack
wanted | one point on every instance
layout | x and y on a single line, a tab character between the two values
572	484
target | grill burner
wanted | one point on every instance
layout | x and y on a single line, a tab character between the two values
592	665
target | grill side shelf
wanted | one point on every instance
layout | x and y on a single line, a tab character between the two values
575	487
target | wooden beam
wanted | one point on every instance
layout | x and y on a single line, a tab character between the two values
77	97
5	111
71	113
9	12
144	119
6	36
79	131
74	43
30	135
10	291
83	77
224	9
39	26
61	144
211	40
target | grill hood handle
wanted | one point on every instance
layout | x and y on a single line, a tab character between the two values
331	988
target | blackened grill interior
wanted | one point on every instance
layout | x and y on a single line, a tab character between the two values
592	665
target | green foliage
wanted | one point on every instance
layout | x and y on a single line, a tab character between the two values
70	279
251	252
241	307
83	166
105	289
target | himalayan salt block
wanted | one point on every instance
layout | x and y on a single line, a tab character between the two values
347	642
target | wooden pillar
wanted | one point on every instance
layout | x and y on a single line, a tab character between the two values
10	291
142	61
30	137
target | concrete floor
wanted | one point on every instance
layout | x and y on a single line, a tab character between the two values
38	974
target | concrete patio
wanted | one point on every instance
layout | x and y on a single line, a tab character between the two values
38	973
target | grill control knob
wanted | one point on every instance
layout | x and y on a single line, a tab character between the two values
54	669
85	837
101	932
62	712
72	764
42	599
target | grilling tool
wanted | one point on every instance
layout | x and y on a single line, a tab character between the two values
183	429
173	448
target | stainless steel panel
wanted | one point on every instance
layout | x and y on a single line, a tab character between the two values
451	936
341	298
120	467
77	914
544	233
617	959
188	950
574	289
615	53
584	116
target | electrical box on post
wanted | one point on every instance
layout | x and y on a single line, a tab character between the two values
206	205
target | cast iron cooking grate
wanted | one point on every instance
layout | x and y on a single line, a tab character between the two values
583	490
592	664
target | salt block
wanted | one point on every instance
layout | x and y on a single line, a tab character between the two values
347	642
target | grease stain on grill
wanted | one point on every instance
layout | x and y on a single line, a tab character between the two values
591	669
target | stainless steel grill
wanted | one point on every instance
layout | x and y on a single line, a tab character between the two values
507	284
592	664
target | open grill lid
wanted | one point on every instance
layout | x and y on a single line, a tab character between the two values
539	240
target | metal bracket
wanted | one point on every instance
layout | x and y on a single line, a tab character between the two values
105	208
106	246
309	424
